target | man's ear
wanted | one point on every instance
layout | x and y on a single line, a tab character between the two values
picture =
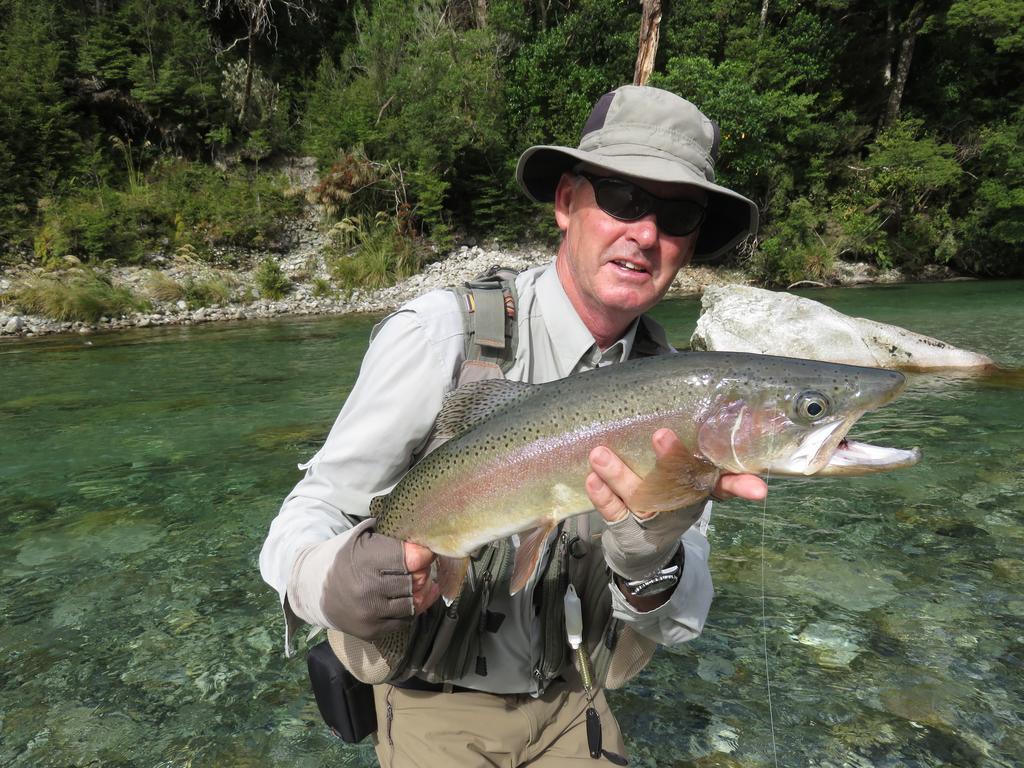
564	194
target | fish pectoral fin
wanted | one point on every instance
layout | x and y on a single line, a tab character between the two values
471	403
451	572
679	479
531	547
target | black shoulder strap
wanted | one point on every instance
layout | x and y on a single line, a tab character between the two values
645	342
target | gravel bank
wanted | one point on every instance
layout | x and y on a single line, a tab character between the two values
302	264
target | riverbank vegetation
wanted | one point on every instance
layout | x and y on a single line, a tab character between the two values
887	132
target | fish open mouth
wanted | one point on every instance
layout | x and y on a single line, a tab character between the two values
827	450
855	458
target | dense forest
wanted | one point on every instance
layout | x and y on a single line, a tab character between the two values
883	131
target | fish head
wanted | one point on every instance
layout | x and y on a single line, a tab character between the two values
785	416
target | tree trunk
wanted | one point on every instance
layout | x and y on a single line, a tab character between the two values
650	24
910	29
890	43
247	92
764	13
480	12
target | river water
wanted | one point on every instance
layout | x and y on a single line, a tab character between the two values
860	622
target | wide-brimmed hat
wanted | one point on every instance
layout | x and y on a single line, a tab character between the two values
648	134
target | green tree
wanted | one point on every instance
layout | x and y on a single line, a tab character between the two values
991	231
39	146
900	203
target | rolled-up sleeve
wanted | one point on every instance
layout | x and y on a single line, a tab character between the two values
681	618
384	421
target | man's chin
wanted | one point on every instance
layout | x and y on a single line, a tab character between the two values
631	300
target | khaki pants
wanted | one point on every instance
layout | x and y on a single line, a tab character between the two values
418	729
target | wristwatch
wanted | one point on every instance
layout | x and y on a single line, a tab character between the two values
661	580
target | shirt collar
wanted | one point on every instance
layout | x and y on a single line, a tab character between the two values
573	344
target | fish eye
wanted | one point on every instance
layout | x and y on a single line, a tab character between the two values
812	405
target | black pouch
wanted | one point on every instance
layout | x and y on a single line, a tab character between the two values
345	703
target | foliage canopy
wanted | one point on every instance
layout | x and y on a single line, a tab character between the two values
887	132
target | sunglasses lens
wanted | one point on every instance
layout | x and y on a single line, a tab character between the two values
680	217
621	199
628	202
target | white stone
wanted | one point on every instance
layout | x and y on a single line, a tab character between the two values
14	325
738	318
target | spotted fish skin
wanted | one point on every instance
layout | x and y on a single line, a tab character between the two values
521	464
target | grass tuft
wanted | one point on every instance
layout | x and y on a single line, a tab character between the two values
271	280
85	296
383	258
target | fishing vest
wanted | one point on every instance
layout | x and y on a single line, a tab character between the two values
443	643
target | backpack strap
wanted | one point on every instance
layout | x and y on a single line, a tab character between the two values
488	304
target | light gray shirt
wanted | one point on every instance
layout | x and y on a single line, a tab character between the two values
413	361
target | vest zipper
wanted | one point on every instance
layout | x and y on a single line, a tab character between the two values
552	637
391	717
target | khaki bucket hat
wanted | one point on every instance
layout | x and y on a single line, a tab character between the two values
648	134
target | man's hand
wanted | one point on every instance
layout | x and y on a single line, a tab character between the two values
611	485
636	545
424	589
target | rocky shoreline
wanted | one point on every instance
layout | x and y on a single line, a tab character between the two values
458	266
303	265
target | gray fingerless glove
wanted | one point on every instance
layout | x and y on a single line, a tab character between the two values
635	548
356	582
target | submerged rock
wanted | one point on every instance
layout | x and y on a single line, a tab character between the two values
739	318
832	645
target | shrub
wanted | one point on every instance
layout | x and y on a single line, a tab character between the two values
271	281
896	209
217	208
801	246
160	287
204	292
322	287
93	226
196	292
356	186
84	296
384	257
187	204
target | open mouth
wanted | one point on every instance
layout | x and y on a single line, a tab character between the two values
629	266
828	451
855	458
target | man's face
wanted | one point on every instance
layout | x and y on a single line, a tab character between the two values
615	270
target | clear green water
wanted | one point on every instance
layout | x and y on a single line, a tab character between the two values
138	473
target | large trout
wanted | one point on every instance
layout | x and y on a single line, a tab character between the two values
518	454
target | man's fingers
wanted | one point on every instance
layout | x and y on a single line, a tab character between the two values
611	507
749	487
664	441
416	557
425	597
417	563
611	485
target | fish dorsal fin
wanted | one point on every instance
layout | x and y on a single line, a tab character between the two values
531	547
451	572
471	403
679	479
377	505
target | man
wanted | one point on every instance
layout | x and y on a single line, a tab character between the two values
634	202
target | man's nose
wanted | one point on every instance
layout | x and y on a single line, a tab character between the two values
644	231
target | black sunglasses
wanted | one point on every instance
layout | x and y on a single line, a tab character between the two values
626	201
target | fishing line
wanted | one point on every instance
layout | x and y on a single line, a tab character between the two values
764	618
